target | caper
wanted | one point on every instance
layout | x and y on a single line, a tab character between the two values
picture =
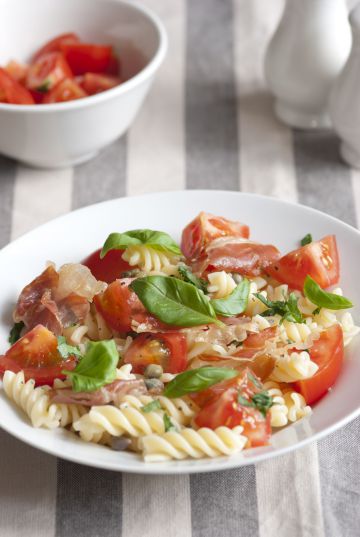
153	371
154	385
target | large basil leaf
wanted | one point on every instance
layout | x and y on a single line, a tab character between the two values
196	380
156	239
174	302
96	368
322	298
235	303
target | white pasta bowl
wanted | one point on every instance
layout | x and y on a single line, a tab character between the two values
270	220
65	134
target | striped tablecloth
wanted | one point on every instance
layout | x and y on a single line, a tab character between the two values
208	123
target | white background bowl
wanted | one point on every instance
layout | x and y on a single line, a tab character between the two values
270	221
64	134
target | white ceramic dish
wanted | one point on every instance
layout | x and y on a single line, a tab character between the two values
65	134
73	236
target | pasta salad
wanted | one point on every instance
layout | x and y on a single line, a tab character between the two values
174	352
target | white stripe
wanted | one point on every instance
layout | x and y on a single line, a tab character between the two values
156	505
288	488
266	157
288	491
39	196
355	178
156	140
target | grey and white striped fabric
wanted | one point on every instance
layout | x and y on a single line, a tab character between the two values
208	123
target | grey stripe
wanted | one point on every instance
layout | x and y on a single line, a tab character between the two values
224	503
88	502
211	119
81	489
102	178
323	181
7	183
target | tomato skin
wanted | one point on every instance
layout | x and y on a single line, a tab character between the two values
36	354
204	229
257	340
87	57
166	349
109	268
319	259
94	83
222	408
17	70
54	45
65	90
47	71
119	306
11	91
328	353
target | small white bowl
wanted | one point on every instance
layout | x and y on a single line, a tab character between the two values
65	134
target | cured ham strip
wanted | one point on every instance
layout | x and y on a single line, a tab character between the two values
111	393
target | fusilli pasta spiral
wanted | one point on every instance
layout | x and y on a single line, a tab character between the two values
179	410
221	284
150	260
293	367
190	443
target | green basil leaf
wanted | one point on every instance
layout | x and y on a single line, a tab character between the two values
287	309
189	277
196	380
156	239
262	401
174	302
322	298
96	368
15	332
66	350
168	424
306	240
150	407
235	303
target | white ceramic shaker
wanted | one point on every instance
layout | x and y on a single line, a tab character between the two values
305	55
345	99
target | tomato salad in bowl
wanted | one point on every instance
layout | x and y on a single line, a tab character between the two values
63	69
175	352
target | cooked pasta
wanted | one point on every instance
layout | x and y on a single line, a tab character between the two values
294	366
288	405
190	443
179	410
221	284
97	328
150	260
35	402
296	404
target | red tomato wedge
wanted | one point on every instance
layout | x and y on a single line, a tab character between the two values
232	255
94	83
87	58
54	45
223	408
204	229
17	70
328	353
12	92
47	71
109	268
66	90
319	259
168	350
119	306
37	355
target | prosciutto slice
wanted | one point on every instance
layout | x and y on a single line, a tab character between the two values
111	393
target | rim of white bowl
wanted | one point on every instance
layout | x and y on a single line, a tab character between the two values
140	77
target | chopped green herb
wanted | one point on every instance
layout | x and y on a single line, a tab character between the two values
322	298
316	311
262	401
306	240
45	86
287	309
15	332
168	424
236	343
254	380
66	350
150	407
189	277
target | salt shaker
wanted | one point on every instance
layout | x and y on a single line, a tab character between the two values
345	99
306	54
